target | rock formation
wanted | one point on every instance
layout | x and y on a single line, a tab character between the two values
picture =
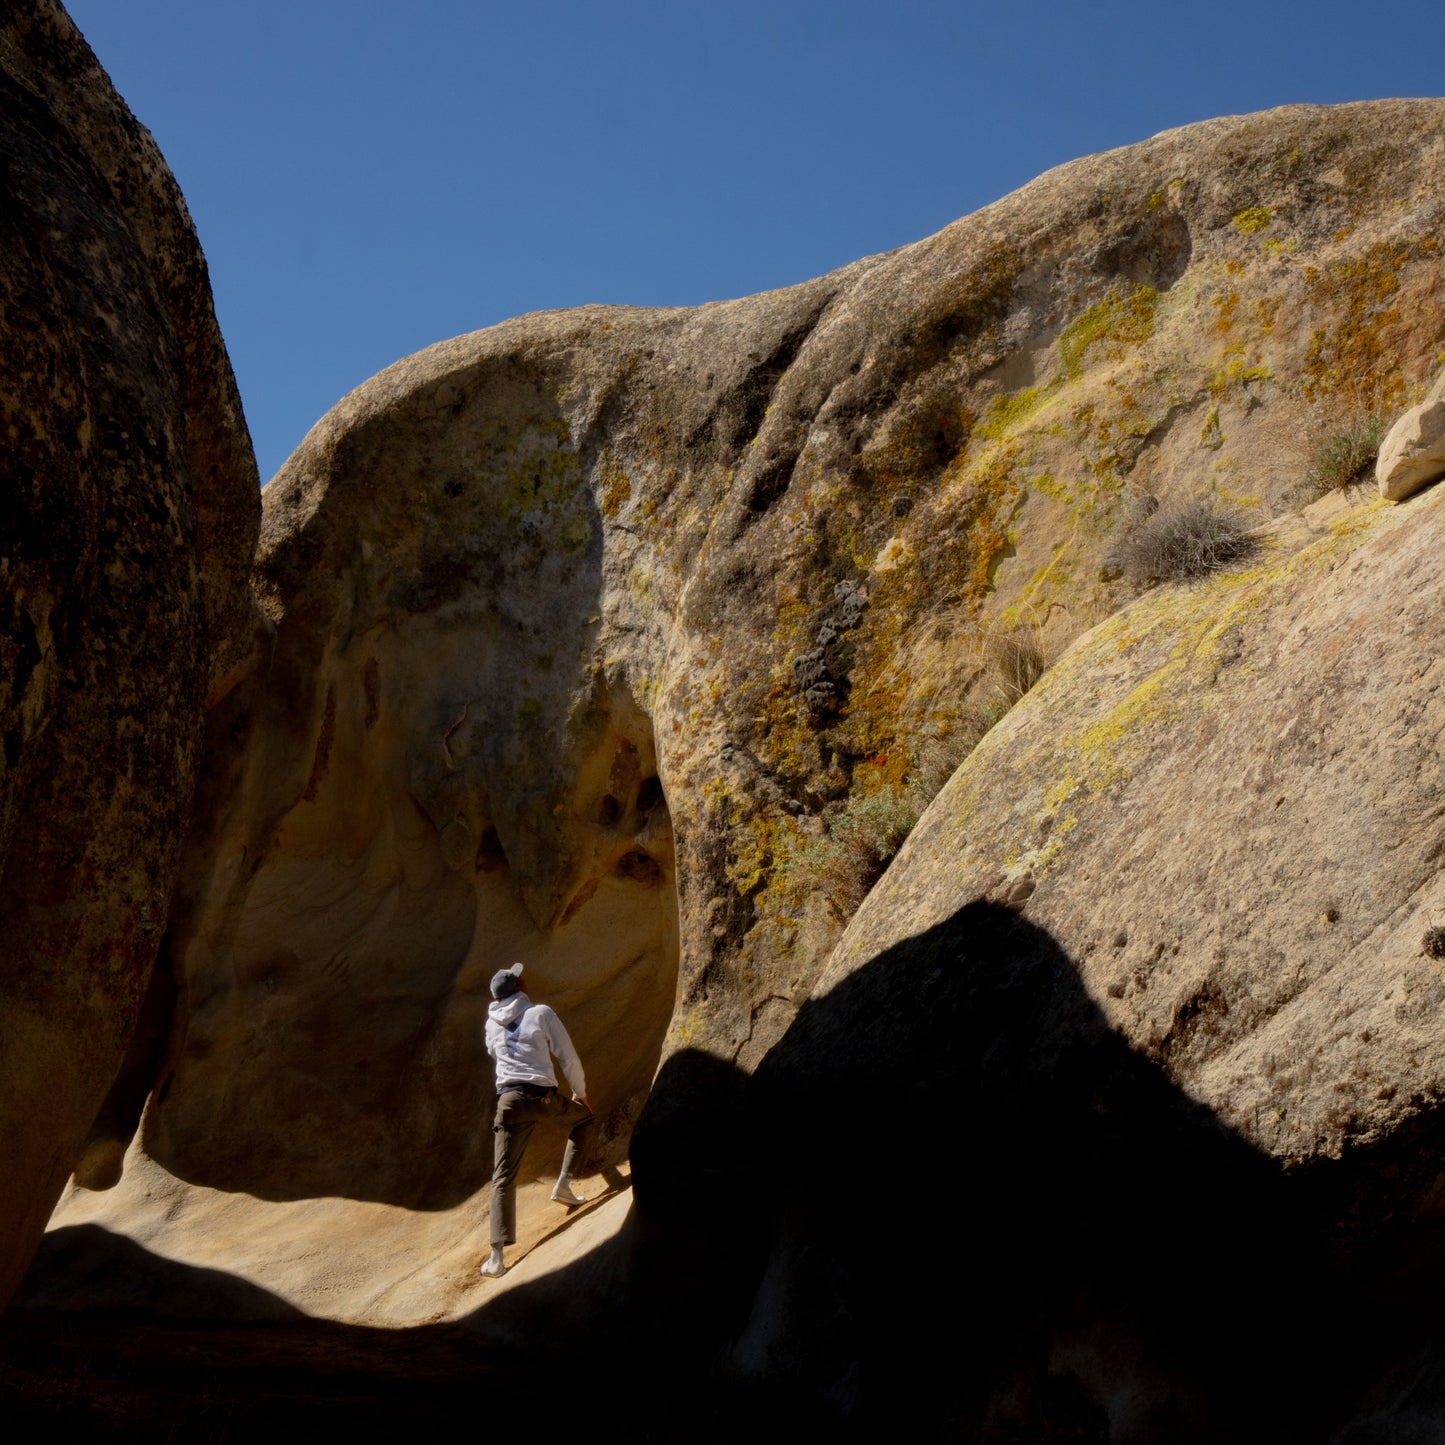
1413	454
631	643
1164	959
130	510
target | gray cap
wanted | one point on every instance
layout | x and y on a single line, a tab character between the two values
506	981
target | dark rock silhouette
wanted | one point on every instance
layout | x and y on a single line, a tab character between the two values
129	511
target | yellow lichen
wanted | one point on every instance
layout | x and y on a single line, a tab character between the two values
1232	369
752	853
1184	646
1006	414
1121	319
691	1031
1251	219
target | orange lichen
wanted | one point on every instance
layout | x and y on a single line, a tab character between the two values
616	488
1225	305
1349	361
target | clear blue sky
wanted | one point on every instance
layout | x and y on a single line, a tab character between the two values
370	176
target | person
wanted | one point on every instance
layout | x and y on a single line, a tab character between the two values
522	1037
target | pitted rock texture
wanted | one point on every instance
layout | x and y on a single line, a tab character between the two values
130	511
595	629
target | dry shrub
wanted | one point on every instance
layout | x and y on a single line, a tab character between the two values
860	838
939	758
957	681
1015	662
1183	541
1344	460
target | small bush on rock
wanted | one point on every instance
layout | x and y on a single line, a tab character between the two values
1344	460
862	833
861	838
1181	542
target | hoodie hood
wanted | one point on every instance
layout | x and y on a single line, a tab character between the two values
507	1011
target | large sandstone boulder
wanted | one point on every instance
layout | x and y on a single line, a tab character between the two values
629	642
1413	453
129	513
1159	979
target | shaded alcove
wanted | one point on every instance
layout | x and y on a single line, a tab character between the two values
370	1080
435	772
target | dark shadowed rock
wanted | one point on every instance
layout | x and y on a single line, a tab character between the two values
129	513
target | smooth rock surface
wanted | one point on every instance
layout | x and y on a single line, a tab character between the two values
129	514
1413	453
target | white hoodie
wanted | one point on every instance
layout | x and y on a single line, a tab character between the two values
522	1036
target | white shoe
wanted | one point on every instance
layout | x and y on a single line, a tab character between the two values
562	1194
493	1267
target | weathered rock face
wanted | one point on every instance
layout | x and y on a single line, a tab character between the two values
603	636
130	510
1162	968
1225	804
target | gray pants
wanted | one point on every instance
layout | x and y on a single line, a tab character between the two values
519	1109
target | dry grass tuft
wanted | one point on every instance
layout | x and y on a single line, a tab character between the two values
1345	459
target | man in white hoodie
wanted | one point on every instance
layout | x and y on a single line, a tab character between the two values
522	1038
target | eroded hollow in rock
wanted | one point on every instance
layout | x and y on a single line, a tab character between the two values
342	922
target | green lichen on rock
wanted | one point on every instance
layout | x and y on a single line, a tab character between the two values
1169	656
534	471
1123	318
1006	414
1233	369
